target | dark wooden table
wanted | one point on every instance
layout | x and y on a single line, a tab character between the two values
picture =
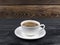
7	36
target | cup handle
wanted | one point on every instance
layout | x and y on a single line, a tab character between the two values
43	26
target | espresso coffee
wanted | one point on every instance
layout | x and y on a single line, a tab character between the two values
30	24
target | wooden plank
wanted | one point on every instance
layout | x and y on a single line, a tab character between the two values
16	2
30	11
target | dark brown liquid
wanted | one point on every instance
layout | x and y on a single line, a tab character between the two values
30	24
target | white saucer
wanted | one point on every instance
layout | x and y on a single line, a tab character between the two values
37	36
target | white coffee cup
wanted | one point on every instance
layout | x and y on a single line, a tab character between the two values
30	31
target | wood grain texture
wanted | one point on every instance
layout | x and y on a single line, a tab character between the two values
14	2
8	26
30	11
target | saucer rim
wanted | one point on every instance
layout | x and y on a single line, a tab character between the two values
19	36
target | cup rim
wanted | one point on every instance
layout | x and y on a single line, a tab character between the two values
30	21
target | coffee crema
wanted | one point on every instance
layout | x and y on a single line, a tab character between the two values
30	24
